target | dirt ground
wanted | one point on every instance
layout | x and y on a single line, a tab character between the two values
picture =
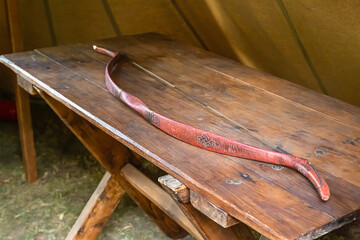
68	175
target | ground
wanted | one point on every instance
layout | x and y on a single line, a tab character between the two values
68	175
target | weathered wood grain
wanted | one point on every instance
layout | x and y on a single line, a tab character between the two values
181	193
98	209
332	107
179	190
301	121
211	211
27	86
26	134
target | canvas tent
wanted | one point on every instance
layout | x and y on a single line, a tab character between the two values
312	43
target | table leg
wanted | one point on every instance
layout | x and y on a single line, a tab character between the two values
26	134
113	156
98	209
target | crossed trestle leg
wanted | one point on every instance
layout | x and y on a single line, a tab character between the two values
173	218
112	155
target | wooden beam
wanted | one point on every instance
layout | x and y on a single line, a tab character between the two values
207	227
211	211
98	209
179	190
184	195
138	184
26	85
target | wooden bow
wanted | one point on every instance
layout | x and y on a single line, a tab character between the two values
208	140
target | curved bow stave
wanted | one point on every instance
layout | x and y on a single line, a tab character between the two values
208	140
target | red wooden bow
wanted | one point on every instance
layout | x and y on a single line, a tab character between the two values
208	140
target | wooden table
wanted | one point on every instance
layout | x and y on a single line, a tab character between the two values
279	203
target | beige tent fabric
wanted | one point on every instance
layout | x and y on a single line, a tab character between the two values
314	43
330	32
260	33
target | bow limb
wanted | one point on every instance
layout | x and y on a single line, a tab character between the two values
208	140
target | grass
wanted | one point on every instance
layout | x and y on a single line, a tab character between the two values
68	175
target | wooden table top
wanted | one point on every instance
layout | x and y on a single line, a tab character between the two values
281	204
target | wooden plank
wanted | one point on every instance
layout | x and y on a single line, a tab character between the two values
346	132
26	134
157	197
332	107
184	195
287	193
179	190
210	82
24	84
207	227
98	209
211	211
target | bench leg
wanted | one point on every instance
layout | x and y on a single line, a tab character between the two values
113	156
98	209
26	134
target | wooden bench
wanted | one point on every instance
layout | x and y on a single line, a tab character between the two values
277	202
